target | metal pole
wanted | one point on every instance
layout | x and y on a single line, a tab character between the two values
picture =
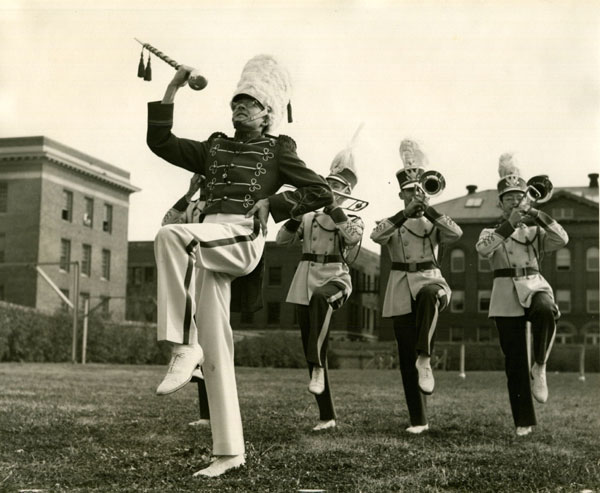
86	306
582	363
75	309
462	373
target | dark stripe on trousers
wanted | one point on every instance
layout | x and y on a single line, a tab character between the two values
232	241
187	318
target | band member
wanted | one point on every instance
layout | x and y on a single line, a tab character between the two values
416	291
322	282
197	262
519	292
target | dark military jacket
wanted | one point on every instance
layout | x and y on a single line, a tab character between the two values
238	174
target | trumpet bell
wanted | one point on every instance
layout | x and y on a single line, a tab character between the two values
540	188
432	182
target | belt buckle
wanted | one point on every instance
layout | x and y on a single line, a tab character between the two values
520	272
412	267
321	258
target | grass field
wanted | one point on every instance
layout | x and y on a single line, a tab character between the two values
100	428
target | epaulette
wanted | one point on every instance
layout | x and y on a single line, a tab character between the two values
287	143
217	135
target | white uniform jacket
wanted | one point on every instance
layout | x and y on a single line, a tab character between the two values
413	241
191	213
519	249
320	234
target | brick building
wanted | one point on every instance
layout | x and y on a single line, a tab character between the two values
59	206
357	318
572	271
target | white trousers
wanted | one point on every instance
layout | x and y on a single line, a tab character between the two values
195	266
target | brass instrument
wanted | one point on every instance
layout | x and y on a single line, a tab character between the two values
355	204
431	183
539	190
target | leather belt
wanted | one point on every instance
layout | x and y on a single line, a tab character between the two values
516	272
414	267
322	259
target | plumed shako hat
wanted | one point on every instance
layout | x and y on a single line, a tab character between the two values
510	175
415	162
267	81
343	168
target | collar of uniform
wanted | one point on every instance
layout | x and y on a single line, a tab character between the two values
246	136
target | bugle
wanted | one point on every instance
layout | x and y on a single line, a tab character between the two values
431	183
352	204
539	190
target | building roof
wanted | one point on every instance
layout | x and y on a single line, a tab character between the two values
585	192
37	147
478	207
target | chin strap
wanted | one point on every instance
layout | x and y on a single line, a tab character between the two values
260	114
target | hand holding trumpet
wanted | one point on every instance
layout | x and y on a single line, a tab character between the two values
416	207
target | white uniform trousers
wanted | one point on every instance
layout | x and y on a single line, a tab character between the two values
196	264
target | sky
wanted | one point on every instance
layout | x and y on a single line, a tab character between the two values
468	80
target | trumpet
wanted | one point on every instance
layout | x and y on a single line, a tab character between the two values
431	183
353	204
539	190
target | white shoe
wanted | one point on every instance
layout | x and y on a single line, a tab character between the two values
325	425
317	382
200	422
223	463
415	430
524	430
184	360
539	386
426	381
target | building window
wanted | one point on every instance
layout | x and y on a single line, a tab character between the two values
2	246
88	215
457	334
149	274
246	317
564	333
563	300
474	202
457	302
592	336
563	259
483	300
3	196
104	305
274	276
65	255
63	305
591	259
592	301
484	334
67	208
106	264
86	260
136	276
83	297
273	313
108	218
457	260
562	213
483	264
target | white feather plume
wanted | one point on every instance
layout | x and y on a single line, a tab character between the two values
345	158
508	165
